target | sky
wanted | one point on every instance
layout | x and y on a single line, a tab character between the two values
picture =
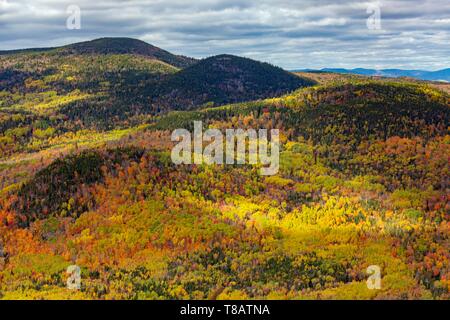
293	34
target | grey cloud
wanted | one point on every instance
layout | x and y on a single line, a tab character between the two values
289	33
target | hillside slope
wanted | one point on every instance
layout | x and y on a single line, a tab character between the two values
112	82
363	180
344	121
86	178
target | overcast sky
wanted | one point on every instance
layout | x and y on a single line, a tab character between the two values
414	34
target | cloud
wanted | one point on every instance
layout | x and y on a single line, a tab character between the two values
289	33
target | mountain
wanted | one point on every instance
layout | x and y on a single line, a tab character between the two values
115	81
96	83
128	46
226	79
440	75
345	113
106	46
87	179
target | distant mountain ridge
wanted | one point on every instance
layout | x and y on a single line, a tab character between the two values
440	75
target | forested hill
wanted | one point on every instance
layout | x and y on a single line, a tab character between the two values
112	82
226	79
128	46
115	46
363	181
86	178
